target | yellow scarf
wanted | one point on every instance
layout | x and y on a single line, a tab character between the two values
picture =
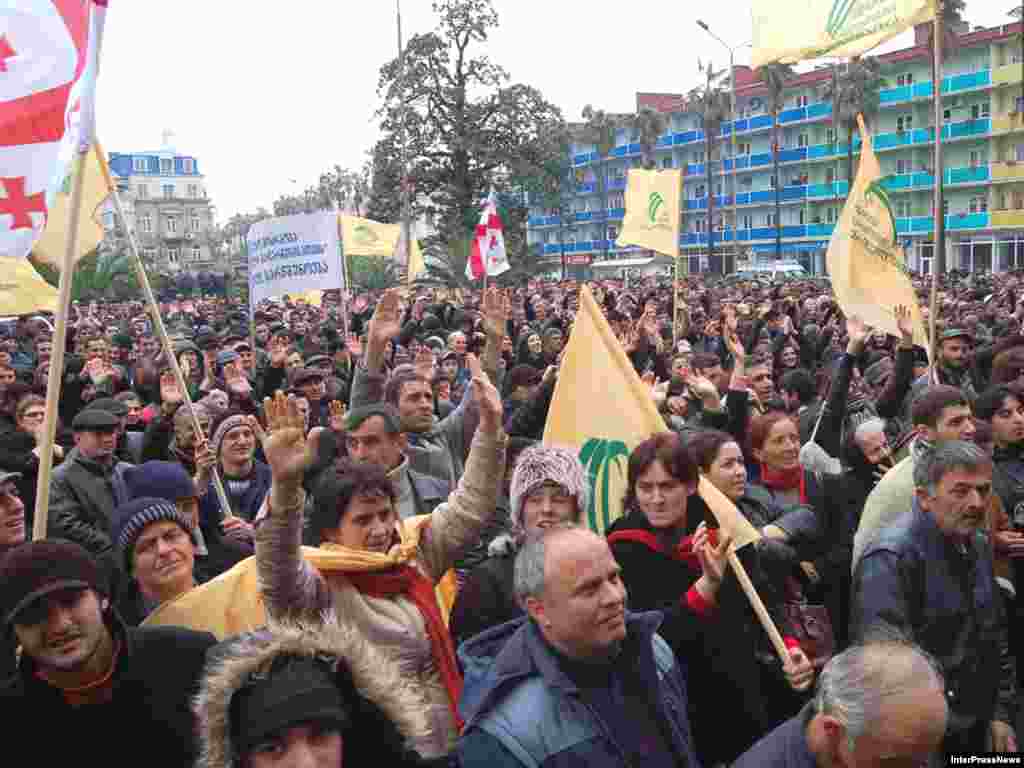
232	602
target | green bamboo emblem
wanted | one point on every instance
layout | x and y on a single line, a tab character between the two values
876	190
838	15
654	203
599	457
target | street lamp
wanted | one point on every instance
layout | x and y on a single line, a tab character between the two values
732	130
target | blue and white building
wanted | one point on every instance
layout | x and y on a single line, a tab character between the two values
983	157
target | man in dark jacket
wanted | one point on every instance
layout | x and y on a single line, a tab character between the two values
83	672
875	704
578	681
930	575
86	488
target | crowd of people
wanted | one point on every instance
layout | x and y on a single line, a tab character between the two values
398	438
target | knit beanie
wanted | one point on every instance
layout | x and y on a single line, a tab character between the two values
166	480
35	569
184	428
130	520
236	420
541	464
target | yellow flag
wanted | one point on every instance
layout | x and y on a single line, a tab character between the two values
365	237
416	264
95	188
652	211
22	289
865	261
794	30
601	409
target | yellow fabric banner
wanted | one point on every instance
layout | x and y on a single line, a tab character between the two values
365	237
22	289
794	30
652	210
95	189
864	258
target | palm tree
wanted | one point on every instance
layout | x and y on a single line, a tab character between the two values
952	16
647	125
713	105
775	76
854	89
599	130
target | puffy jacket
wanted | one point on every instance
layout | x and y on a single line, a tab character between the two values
517	697
913	578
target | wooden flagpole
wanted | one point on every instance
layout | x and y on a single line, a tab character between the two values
55	374
165	341
939	220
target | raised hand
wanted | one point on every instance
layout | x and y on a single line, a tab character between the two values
799	670
170	393
713	559
424	363
857	333
386	322
497	307
284	442
905	323
205	460
236	381
355	347
702	387
487	398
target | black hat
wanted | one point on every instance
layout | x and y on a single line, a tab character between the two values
109	404
35	569
296	689
314	360
95	420
955	333
300	375
122	340
357	416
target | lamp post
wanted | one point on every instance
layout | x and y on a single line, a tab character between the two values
732	133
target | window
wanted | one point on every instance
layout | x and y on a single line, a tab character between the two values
975	158
1019	153
830	136
945	207
718	188
142	191
830	175
166	166
903	166
904	123
194	224
146	223
666	162
770	219
772	182
905	79
979	204
172	224
698	225
173	254
149	255
801	101
698	157
168	190
139	164
947	115
980	110
903	208
747	181
197	253
193	190
188	165
108	220
743	148
801	217
801	140
830	215
700	191
613	233
748	221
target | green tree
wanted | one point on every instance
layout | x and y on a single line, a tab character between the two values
461	120
775	77
599	129
647	126
102	276
445	261
712	104
372	273
854	90
385	198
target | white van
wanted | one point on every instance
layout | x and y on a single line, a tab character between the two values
772	271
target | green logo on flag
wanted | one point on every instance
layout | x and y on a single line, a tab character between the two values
876	190
365	235
838	15
599	458
654	203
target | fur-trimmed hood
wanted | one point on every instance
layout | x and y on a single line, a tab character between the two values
231	663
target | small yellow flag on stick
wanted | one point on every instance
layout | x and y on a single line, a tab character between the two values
864	259
652	211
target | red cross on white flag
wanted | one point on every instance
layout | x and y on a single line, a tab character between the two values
49	54
488	251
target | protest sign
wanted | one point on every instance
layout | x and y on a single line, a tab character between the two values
292	255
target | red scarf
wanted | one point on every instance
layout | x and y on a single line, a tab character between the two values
683	552
406	580
784	480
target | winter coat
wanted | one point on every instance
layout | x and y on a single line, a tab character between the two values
441	451
522	709
785	747
487	598
293	589
380	688
156	675
247	506
16	456
83	496
914	579
737	690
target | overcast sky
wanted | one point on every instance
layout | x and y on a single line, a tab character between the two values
266	93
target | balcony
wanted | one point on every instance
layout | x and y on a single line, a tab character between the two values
951	84
1008	171
1007	218
1008	123
1008	74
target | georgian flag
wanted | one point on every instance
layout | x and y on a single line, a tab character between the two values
488	251
49	57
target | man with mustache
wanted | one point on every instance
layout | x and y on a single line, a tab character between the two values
929	574
80	666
